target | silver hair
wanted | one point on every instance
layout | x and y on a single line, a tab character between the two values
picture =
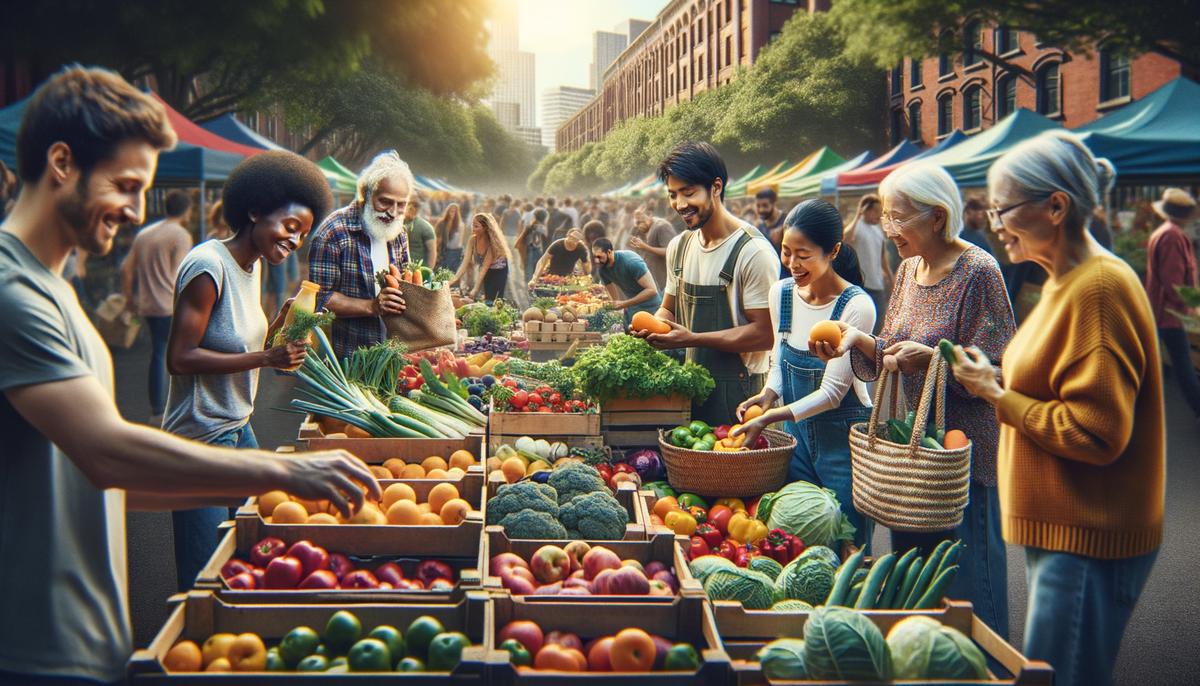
1057	161
928	185
386	165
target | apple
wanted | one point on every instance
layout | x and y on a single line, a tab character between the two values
667	578
234	567
528	633
576	590
242	582
565	639
283	573
522	572
410	585
360	578
633	651
441	585
247	654
654	568
561	659
549	564
597	560
340	565
320	579
505	561
636	565
386	586
660	588
311	557
549	589
517	584
600	655
576	550
622	581
661	647
260	577
578	574
389	572
576	582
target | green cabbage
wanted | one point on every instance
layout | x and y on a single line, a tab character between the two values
792	606
841	644
810	512
752	589
809	580
704	565
783	658
766	565
922	648
820	552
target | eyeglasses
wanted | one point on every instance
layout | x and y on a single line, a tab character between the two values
995	215
887	220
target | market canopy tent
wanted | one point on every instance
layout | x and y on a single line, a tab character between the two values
227	126
810	183
10	123
772	180
1157	137
819	161
866	178
737	188
969	161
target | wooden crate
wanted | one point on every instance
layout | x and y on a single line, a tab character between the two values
542	424
460	540
684	619
378	450
466	568
199	614
627	495
666	548
1019	670
634	423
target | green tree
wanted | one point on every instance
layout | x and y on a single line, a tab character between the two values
887	31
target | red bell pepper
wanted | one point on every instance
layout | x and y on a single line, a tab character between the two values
722	431
743	553
606	473
718	517
752	506
283	573
781	546
266	550
727	550
698	548
709	533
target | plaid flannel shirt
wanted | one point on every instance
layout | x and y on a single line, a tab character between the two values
340	262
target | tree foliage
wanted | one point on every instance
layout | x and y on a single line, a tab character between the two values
887	31
803	92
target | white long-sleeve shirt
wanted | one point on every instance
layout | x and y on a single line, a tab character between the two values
839	377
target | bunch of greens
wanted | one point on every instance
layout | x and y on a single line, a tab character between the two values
628	367
480	319
544	304
303	322
377	367
1191	300
603	320
552	373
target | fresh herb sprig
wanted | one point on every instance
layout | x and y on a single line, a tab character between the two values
303	322
628	367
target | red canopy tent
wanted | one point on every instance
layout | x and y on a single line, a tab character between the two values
192	133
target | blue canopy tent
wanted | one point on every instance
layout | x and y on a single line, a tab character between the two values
864	177
1157	137
969	161
227	126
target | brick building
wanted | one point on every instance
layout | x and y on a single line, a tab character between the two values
929	98
690	47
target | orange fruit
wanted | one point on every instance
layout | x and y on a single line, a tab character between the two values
955	439
644	321
413	471
396	466
462	459
665	505
753	412
184	656
216	647
322	518
313	506
289	513
513	469
369	514
440	495
424	508
396	492
493	463
455	510
248	654
221	664
537	466
437	474
430	519
268	501
827	332
434	462
403	512
455	473
380	472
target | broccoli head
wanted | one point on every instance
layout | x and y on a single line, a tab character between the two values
596	516
531	524
575	478
523	495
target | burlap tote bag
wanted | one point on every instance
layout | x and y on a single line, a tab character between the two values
428	321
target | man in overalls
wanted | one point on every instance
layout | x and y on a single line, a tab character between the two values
716	298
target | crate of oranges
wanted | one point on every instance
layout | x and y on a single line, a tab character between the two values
315	433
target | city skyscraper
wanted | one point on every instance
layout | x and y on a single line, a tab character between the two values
512	96
607	46
558	104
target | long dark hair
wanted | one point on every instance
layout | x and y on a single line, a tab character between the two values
821	223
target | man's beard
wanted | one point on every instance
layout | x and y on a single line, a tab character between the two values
380	230
74	212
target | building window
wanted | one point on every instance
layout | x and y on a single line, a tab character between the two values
914	73
897	81
972	43
728	11
728	50
1006	96
1049	93
914	121
971	114
897	129
1114	75
945	63
1006	40
945	114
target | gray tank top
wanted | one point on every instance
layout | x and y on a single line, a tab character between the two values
204	406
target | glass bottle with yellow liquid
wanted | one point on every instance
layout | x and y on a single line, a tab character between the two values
305	301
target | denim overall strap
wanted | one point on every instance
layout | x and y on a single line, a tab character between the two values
785	307
844	298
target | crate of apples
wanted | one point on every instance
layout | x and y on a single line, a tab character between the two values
577	569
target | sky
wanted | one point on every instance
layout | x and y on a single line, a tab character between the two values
559	34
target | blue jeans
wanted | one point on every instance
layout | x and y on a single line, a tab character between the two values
1180	352
452	258
822	457
160	331
1078	609
531	259
196	530
983	565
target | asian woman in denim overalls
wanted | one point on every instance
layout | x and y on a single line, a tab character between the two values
818	404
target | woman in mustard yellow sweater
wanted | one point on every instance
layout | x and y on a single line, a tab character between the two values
1081	461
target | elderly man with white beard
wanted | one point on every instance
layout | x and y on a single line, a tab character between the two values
356	242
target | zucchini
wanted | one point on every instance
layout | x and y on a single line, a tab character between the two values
910	580
923	581
951	558
874	582
895	580
900	432
855	591
937	589
930	443
841	585
947	350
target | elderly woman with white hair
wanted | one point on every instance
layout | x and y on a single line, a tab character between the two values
1082	445
358	241
945	288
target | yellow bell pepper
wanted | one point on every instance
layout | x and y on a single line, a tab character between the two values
734	504
682	523
745	529
735	441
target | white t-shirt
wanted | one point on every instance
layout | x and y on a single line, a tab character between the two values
859	312
574	215
757	268
868	243
380	259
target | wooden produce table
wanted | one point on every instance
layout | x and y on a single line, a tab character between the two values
634	422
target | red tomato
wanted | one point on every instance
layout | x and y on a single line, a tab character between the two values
519	399
545	390
546	409
536	399
556	398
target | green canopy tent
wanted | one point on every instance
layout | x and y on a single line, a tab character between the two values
969	161
1155	138
819	162
810	183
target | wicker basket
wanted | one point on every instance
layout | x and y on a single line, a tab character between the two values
909	487
734	475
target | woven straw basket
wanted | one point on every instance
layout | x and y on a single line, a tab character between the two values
909	487
734	475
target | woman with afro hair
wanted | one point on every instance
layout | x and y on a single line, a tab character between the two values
216	347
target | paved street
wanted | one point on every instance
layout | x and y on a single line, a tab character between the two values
1156	645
